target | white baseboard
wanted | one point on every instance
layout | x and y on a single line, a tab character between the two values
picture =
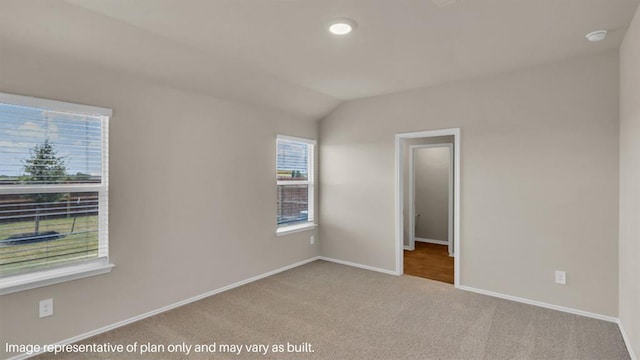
612	319
432	241
169	307
342	262
541	304
627	342
409	248
366	267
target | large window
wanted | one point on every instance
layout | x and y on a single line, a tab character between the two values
295	182
53	191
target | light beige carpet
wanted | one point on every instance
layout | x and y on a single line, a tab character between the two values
348	313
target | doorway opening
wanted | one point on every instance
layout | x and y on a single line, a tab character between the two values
428	240
428	204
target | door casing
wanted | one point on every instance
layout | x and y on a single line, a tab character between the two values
399	201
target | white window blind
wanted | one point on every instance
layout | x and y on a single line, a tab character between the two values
295	180
53	185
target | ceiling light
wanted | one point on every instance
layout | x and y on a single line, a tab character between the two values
596	36
342	26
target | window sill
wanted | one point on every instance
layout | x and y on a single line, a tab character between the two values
285	230
21	282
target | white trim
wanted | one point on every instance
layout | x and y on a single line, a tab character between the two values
32	280
49	188
103	201
431	241
456	206
361	266
170	307
290	229
452	174
399	219
342	262
627	342
412	199
297	139
409	248
541	304
399	223
412	194
311	189
53	275
588	314
54	105
294	182
311	178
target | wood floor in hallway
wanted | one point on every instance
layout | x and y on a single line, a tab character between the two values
429	261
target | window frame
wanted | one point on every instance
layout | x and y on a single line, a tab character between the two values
31	279
310	224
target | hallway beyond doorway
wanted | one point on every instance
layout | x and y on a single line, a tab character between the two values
429	261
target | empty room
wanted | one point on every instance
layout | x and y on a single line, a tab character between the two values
320	179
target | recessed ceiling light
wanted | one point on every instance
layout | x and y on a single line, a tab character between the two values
342	26
596	36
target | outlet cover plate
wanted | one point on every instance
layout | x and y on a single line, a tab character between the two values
46	308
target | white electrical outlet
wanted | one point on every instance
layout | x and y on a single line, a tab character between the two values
46	308
312	239
561	277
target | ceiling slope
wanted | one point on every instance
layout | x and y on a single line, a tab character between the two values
398	45
278	53
76	33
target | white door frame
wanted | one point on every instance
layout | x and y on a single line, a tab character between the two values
400	201
412	195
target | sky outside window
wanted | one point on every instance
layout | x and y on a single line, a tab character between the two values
76	138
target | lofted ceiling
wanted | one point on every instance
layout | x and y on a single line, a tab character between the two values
278	53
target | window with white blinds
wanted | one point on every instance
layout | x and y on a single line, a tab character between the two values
295	180
53	185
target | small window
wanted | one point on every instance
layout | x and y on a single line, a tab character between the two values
53	190
295	182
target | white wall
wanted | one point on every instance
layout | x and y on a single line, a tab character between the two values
539	178
630	183
431	166
192	196
405	168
